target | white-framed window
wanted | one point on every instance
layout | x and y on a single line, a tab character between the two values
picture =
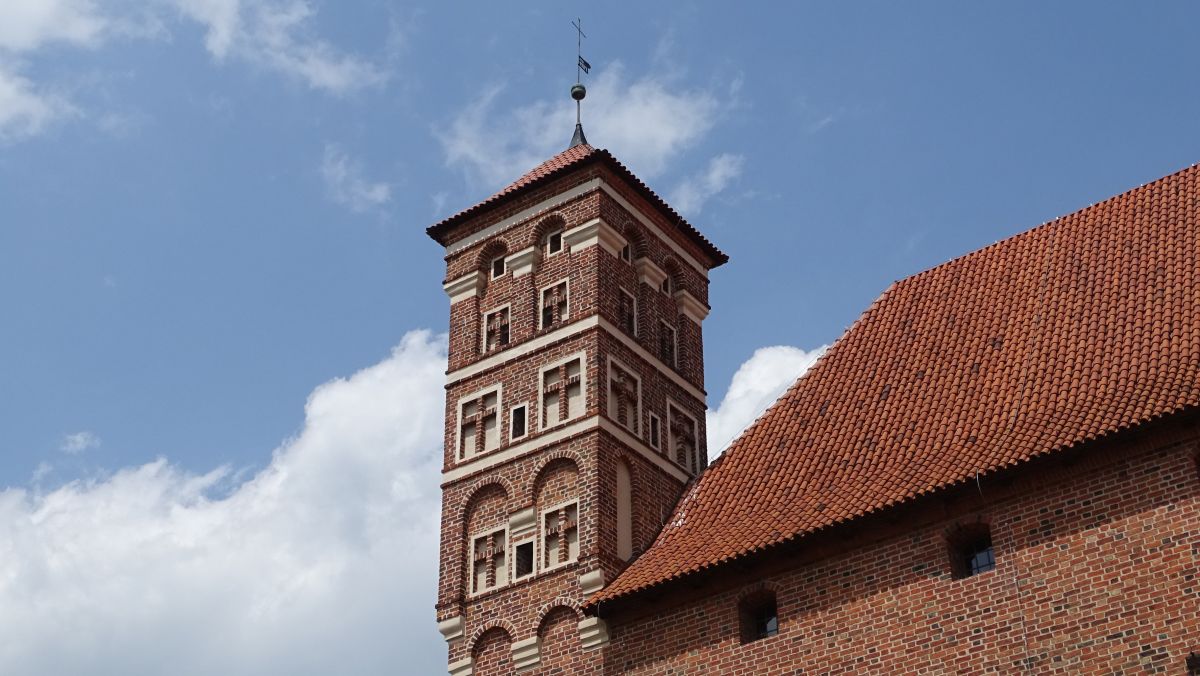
666	286
554	243
489	560
524	559
555	304
518	422
562	392
627	253
627	312
624	396
498	267
668	345
478	423
654	431
560	535
496	328
683	443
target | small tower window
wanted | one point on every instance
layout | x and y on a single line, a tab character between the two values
562	392
523	560
655	432
560	529
758	616
554	243
496	330
627	253
682	446
667	344
624	396
971	551
478	429
498	267
518	422
627	311
489	562
554	304
665	287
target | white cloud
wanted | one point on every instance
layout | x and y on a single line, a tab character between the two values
74	444
757	384
273	35
29	24
276	36
691	194
26	110
323	562
646	122
345	183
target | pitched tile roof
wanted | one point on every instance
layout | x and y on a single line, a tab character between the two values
1071	331
570	159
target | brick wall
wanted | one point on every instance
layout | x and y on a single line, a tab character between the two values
575	461
1096	568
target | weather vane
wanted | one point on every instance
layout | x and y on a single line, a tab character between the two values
578	91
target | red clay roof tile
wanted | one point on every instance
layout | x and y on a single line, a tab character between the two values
568	160
1081	327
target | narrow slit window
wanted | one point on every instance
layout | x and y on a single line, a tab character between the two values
627	253
518	423
523	560
666	286
554	242
655	432
498	267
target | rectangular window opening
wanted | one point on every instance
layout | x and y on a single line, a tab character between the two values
497	267
517	422
523	564
554	242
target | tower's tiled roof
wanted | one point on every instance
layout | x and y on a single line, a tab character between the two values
1074	330
568	160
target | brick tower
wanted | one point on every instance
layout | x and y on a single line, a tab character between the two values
574	404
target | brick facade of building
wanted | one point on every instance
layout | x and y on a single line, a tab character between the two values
579	297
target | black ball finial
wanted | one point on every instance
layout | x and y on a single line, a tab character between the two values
578	91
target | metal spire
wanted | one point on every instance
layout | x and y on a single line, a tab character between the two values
578	91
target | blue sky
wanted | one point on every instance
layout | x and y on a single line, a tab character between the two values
208	208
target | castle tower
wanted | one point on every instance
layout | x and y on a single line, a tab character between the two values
574	404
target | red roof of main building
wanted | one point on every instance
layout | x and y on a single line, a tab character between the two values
571	159
1084	326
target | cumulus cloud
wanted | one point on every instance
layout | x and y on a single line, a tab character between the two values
28	25
277	36
645	121
323	562
757	384
691	194
74	444
25	109
345	184
271	35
